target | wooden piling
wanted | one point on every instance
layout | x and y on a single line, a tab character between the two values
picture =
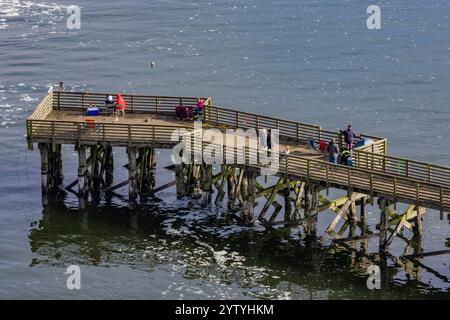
82	171
180	180
287	201
231	189
109	165
383	205
145	171
352	216
251	176
311	206
44	150
206	184
132	183
418	222
362	215
94	165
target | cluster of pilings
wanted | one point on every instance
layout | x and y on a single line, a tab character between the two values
141	176
246	196
96	171
51	169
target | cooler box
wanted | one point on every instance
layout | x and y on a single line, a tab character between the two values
93	111
360	143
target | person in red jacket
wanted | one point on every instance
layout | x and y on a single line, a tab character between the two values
120	104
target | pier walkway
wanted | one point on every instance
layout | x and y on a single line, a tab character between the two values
303	173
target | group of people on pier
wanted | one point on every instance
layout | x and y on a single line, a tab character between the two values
118	104
185	112
333	147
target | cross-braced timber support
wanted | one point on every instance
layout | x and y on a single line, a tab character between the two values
392	224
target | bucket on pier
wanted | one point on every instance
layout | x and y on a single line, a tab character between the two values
90	123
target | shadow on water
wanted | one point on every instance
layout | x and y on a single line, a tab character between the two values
200	245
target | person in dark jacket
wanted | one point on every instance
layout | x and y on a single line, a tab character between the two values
349	135
333	151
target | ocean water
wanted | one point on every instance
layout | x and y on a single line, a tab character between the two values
313	61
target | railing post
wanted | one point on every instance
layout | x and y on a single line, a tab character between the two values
217	115
372	160
53	132
429	172
132	104
156	104
418	196
59	100
30	130
129	134
237	119
79	133
395	189
287	164
349	177
103	133
298	133
371	188
407	168
307	169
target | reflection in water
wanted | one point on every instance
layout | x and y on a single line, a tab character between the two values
199	246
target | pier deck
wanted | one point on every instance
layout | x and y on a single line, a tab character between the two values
70	120
150	123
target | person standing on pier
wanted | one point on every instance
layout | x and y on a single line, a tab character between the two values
349	135
199	108
333	151
120	104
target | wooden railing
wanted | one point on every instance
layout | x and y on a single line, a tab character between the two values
288	129
370	158
63	100
41	112
403	167
218	116
398	188
379	146
381	183
81	132
43	108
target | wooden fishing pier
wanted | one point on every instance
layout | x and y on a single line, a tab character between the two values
300	186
